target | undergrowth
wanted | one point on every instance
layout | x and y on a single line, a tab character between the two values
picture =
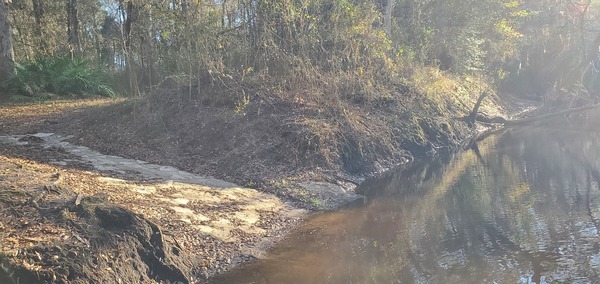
53	77
363	119
357	121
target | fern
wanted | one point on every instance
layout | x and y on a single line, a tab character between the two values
58	75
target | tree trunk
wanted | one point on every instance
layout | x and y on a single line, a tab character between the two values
38	31
184	9
131	14
7	56
387	20
223	12
73	27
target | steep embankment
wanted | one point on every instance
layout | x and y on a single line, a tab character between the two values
304	147
275	140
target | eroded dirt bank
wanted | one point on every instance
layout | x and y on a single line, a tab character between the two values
135	226
62	224
275	145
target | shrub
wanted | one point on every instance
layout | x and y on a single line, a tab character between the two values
61	76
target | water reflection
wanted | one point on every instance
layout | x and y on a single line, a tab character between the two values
519	207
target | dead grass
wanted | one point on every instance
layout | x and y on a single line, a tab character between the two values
19	117
260	128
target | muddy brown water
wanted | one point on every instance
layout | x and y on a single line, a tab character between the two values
521	206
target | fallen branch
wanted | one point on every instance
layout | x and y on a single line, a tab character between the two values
550	115
78	199
347	180
10	191
471	118
36	198
4	196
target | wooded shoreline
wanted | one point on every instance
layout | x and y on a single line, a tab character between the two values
296	102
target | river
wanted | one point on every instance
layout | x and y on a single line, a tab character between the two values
520	206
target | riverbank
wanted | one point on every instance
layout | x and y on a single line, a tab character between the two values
68	210
275	140
289	150
63	220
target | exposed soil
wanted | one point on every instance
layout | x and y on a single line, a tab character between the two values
71	223
66	225
269	144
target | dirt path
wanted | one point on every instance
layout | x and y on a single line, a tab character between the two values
109	163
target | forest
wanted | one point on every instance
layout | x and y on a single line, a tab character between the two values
353	80
135	47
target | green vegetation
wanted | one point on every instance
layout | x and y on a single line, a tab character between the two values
364	50
48	77
341	45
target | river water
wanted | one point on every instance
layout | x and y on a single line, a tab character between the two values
521	206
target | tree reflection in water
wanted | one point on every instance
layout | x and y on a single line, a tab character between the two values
520	206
